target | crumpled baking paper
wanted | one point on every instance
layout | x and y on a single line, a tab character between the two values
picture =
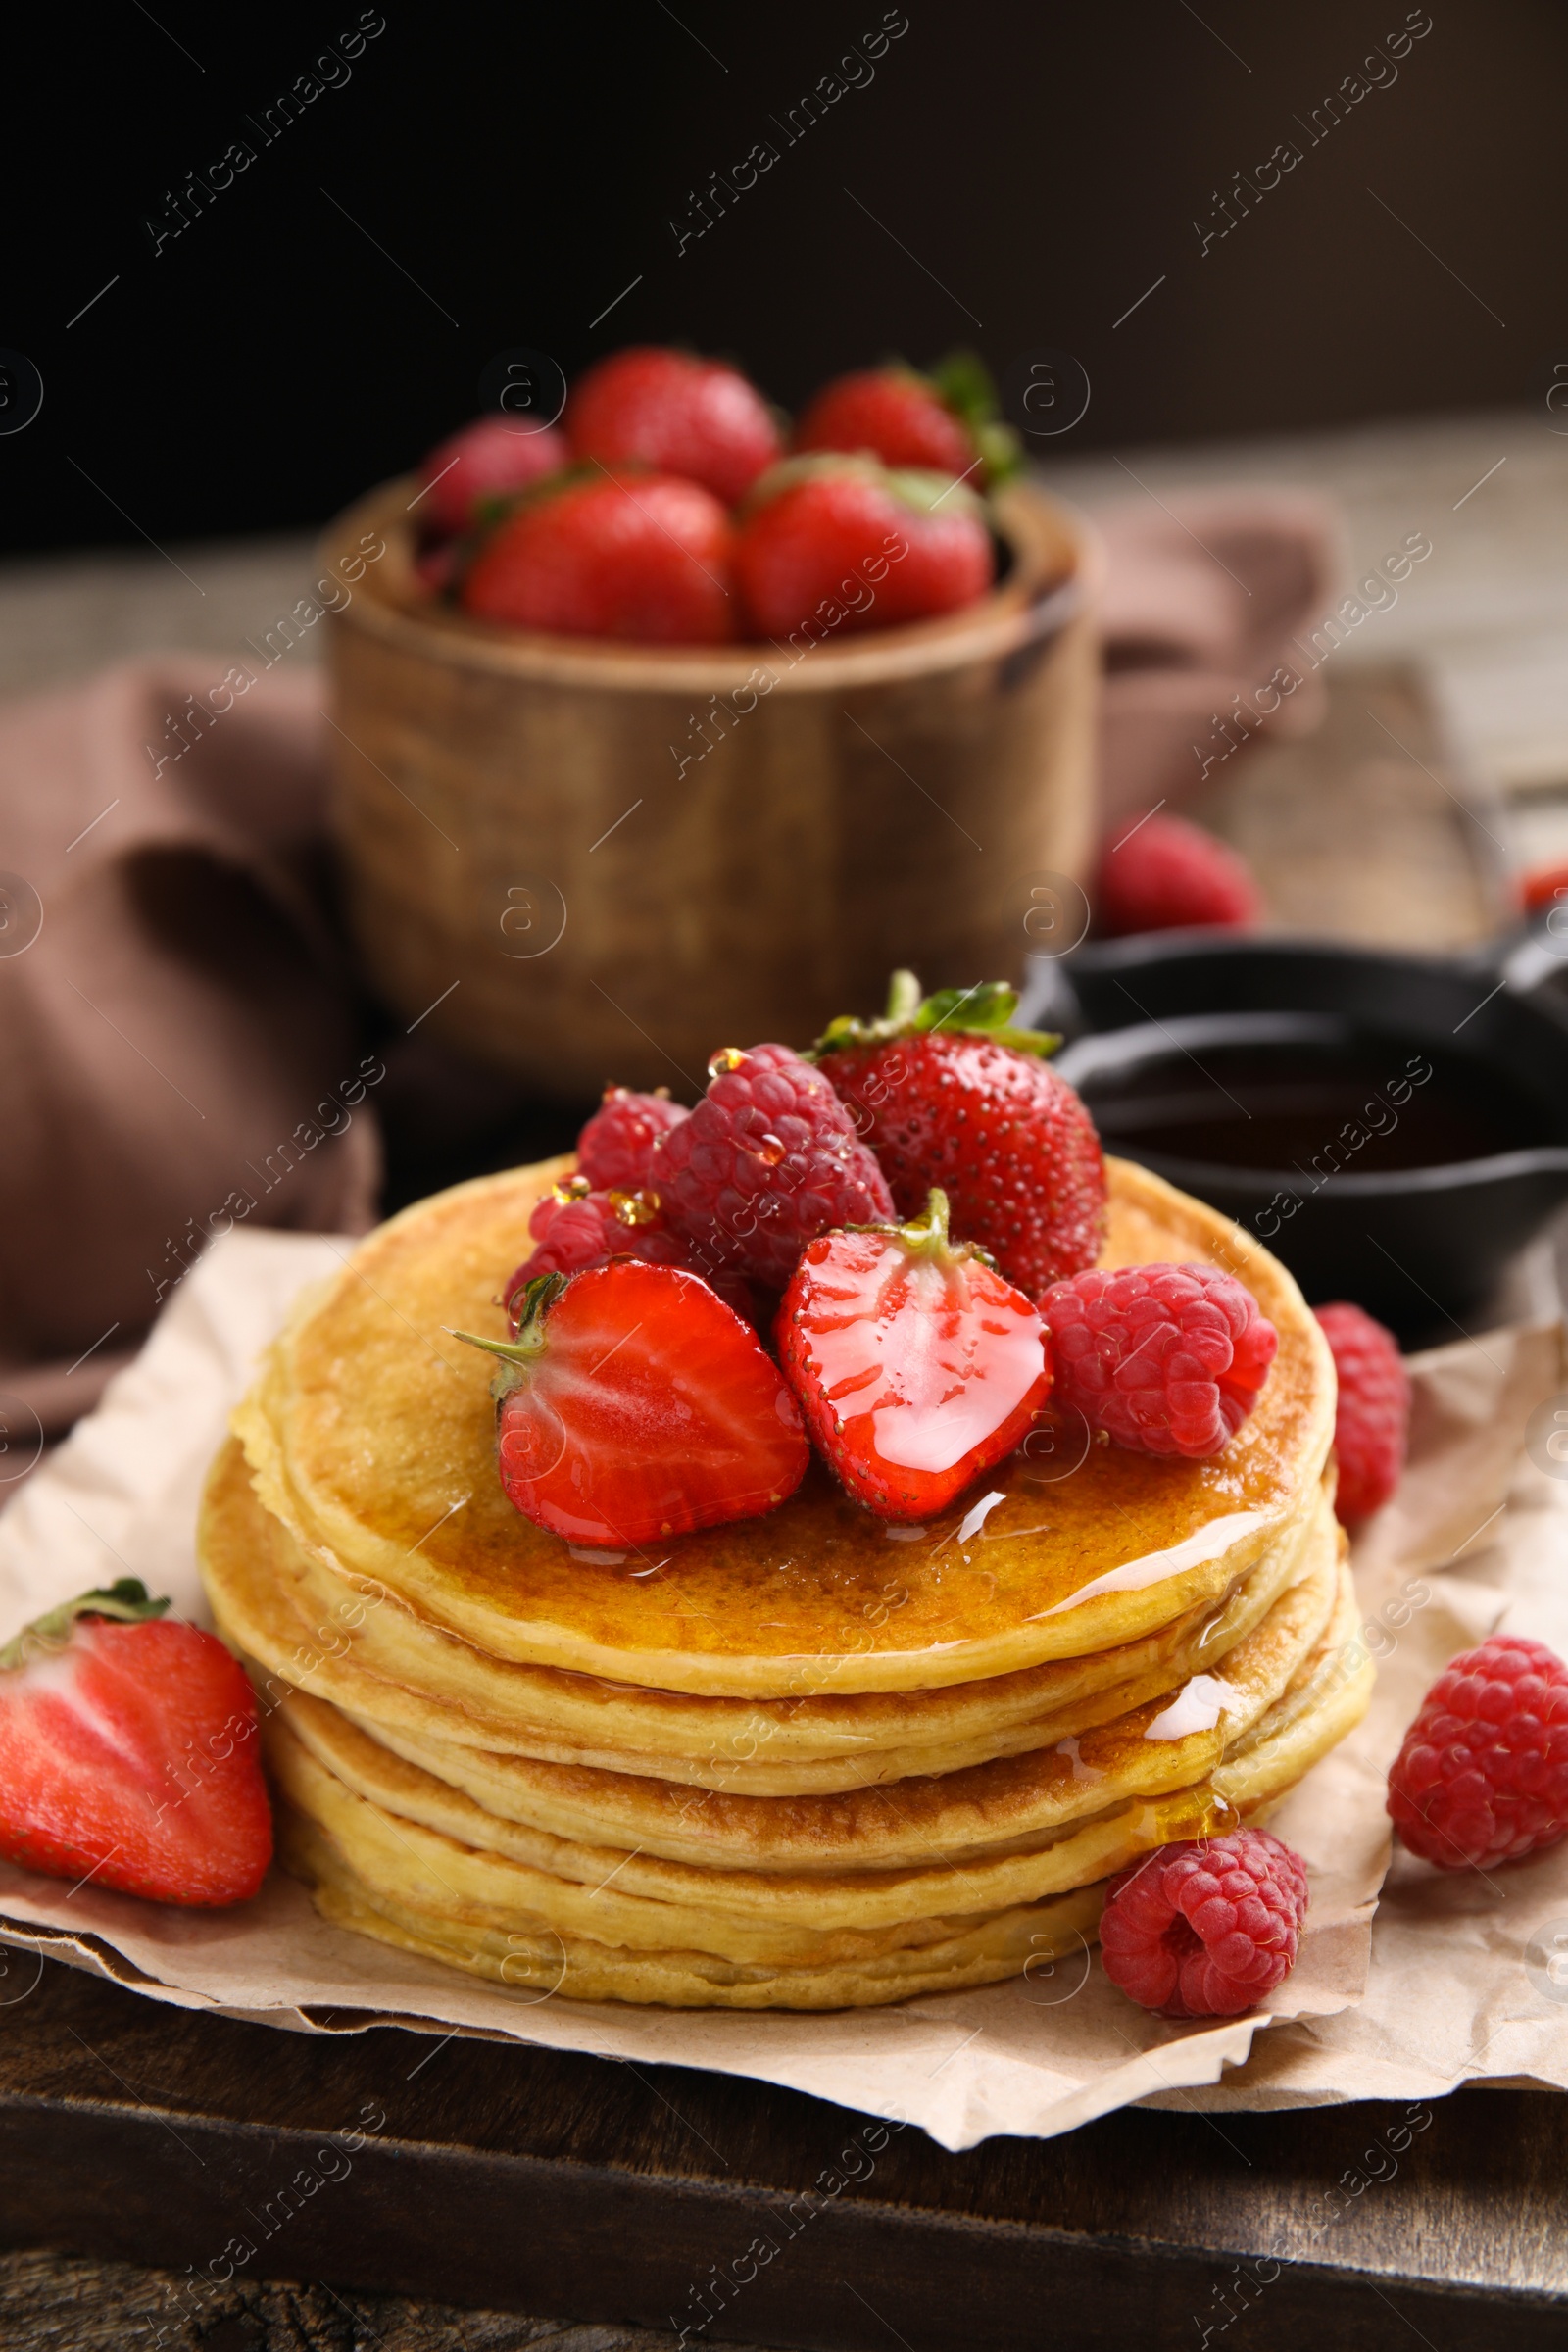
1456	1978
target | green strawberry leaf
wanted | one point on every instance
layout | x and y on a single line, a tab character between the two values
984	1010
127	1599
965	386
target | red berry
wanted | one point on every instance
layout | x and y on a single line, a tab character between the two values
841	544
1372	1425
945	423
1483	1775
1207	1928
436	567
648	558
488	459
575	1228
947	1093
1166	874
1164	1359
916	1364
679	415
892	414
128	1754
1544	886
766	1161
634	1404
615	1149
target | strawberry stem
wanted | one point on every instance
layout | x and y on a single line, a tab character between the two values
904	997
517	1355
127	1599
928	1235
984	1010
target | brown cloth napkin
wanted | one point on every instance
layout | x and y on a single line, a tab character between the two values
179	1032
178	1043
1204	598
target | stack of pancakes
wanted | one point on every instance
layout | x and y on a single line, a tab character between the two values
805	1761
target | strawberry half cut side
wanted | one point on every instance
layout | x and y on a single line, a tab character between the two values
129	1753
634	1404
917	1365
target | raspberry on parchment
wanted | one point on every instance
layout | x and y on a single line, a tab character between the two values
1372	1423
1208	1926
1481	1777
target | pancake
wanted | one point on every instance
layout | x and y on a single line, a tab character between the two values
377	1658
1165	1743
305	1732
542	1962
822	1865
431	1894
370	1437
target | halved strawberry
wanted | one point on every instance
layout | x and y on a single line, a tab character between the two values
634	1404
129	1753
916	1364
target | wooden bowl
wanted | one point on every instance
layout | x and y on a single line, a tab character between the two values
581	860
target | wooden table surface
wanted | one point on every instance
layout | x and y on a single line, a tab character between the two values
143	2139
538	2181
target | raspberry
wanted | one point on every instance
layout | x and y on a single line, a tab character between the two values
1166	874
574	1229
768	1161
1165	1360
1483	1775
1373	1420
615	1146
1207	1928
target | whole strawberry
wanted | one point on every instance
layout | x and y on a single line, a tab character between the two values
1168	876
916	1364
676	414
645	558
1372	1419
615	1149
575	1228
944	422
766	1161
948	1093
129	1753
1482	1776
845	543
488	459
633	1405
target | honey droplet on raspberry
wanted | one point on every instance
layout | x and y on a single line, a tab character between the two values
728	1057
770	1152
634	1209
570	1189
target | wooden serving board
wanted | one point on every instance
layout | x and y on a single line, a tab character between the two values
527	2180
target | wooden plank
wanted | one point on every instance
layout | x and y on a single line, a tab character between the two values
1369	829
533	2181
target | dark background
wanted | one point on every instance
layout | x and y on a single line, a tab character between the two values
1046	165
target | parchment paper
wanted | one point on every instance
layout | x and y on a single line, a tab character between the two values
1459	1978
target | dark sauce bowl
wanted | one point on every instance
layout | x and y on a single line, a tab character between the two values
1394	1127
